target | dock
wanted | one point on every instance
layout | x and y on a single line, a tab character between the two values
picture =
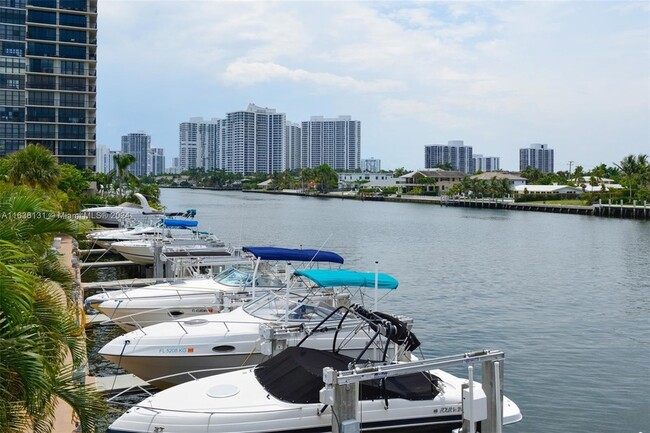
637	210
96	319
118	284
116	263
64	416
118	383
92	251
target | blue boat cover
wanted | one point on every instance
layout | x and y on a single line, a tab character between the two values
289	254
180	223
342	277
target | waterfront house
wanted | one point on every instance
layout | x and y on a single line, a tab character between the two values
596	184
548	189
355	180
431	180
514	179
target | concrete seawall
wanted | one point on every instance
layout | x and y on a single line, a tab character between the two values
636	211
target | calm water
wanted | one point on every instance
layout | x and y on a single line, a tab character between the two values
566	297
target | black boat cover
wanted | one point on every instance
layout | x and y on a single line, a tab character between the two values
295	375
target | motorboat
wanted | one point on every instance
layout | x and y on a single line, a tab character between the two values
182	299
165	228
116	216
142	251
227	341
288	393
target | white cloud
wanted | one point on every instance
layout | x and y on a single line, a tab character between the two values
499	72
251	73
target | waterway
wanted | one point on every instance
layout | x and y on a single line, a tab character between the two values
566	297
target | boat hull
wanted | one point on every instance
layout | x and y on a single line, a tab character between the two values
165	371
237	403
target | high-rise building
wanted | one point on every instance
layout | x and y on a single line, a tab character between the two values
260	140
486	163
48	77
454	153
371	165
254	141
538	156
175	167
200	144
138	144
156	163
292	146
104	159
335	142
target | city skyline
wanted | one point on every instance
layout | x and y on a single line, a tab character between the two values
498	76
261	140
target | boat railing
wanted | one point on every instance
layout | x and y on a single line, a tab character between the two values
172	378
132	319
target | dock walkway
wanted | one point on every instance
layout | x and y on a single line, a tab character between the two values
64	417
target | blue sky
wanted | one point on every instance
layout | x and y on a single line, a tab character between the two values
498	75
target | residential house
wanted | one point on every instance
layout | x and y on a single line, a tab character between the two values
440	180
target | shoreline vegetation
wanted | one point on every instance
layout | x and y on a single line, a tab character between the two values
604	209
627	181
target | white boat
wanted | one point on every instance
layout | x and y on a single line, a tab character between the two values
142	251
218	343
113	216
283	394
139	307
165	228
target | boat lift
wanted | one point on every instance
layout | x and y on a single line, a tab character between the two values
482	405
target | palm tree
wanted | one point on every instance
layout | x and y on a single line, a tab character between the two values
104	182
629	167
34	166
39	324
307	178
326	177
122	163
532	174
466	185
643	169
401	171
578	173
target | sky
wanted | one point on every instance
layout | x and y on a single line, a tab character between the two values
500	76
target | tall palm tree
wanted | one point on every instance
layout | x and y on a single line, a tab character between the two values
34	166
122	163
104	182
643	166
39	324
326	177
629	167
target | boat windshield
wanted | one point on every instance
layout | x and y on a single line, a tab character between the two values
275	307
243	277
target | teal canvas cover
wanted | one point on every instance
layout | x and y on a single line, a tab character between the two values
342	277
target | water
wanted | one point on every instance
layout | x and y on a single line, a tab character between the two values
566	297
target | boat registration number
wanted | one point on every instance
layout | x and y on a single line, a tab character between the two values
176	350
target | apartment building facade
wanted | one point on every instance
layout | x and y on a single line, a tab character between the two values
454	153
335	142
138	144
200	144
48	78
486	163
261	140
538	156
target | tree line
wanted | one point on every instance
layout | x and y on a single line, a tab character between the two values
42	340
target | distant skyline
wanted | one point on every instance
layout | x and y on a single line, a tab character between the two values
498	75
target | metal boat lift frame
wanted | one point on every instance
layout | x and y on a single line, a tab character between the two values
341	389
